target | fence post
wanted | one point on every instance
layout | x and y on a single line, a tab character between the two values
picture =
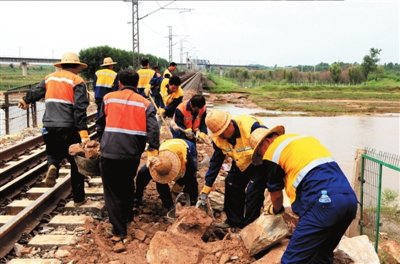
7	112
353	229
34	115
27	117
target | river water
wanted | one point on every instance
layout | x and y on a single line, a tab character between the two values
342	135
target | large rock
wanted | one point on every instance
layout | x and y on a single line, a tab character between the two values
168	248
264	232
217	201
359	249
191	221
391	248
275	254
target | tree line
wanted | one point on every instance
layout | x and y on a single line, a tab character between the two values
338	72
94	56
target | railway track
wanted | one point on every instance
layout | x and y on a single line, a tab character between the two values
27	207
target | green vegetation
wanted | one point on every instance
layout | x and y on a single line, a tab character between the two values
11	75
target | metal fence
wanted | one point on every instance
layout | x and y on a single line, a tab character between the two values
14	119
375	165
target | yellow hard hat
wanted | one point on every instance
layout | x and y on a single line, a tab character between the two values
258	135
108	61
218	121
70	58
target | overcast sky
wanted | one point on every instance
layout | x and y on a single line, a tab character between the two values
224	32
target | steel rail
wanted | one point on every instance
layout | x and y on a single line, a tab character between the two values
26	220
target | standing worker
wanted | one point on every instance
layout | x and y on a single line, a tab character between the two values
190	116
245	182
127	120
317	188
105	81
64	119
145	76
177	162
155	83
172	97
169	70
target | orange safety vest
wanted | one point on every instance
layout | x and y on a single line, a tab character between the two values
145	76
60	87
131	106
188	116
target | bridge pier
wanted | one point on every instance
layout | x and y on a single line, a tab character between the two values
24	68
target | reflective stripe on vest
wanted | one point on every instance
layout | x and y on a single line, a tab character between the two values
105	78
188	116
282	146
241	153
145	76
309	167
297	155
60	87
125	113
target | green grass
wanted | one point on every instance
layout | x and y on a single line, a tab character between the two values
374	96
12	77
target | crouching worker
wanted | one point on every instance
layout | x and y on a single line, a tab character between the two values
318	190
176	162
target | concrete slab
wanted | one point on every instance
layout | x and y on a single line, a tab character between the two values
94	191
96	182
68	220
89	206
34	261
17	206
5	218
46	241
35	192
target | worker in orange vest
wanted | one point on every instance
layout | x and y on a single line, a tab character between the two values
126	122
190	116
64	119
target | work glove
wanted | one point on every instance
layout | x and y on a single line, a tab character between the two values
206	189
189	133
151	157
271	211
161	111
22	104
201	135
84	136
176	188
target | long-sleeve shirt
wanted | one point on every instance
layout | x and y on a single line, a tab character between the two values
59	114
179	120
218	156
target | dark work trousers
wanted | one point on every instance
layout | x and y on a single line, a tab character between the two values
98	102
58	140
244	194
189	182
320	229
118	185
